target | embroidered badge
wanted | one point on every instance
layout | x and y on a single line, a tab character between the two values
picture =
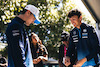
84	30
74	32
15	32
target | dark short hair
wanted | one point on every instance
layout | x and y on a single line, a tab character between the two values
23	11
74	12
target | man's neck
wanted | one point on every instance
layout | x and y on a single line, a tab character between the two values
22	16
79	25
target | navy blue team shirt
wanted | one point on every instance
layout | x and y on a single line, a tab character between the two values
84	43
17	43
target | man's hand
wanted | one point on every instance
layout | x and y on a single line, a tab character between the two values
67	61
80	62
39	59
36	61
43	58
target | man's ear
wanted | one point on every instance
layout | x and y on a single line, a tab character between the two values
80	18
28	12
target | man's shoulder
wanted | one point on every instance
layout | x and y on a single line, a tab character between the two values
87	25
14	24
90	28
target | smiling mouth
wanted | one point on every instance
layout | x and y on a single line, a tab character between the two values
74	24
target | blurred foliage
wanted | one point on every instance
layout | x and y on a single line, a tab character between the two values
8	10
4	52
53	16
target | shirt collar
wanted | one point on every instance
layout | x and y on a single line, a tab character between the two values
19	20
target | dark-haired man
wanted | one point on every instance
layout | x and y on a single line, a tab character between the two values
19	54
83	41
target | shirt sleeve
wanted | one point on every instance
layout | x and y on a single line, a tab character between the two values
16	45
94	44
